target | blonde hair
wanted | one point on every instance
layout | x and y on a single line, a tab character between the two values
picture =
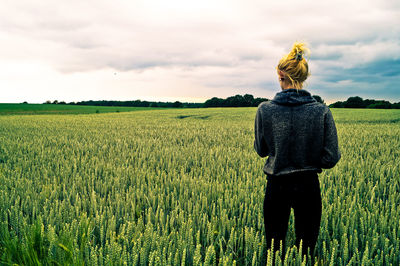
294	66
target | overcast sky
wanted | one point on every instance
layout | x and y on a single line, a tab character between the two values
193	50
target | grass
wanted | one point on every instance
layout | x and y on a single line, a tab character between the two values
33	109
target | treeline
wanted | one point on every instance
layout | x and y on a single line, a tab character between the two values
246	100
358	102
136	103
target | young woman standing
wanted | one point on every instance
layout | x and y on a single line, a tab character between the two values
299	136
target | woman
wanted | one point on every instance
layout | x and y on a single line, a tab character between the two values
299	136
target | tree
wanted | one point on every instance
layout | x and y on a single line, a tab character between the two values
380	105
396	105
177	104
248	98
214	102
258	100
338	104
235	101
368	102
354	102
318	98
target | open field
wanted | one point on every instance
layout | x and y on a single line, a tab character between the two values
184	187
34	109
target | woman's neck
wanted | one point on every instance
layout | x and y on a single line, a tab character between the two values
286	86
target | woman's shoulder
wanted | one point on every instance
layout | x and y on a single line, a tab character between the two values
263	104
266	106
317	108
271	105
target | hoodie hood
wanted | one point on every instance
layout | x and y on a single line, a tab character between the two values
293	97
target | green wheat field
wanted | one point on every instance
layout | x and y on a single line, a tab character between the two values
184	187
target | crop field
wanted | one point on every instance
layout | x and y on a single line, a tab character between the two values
184	187
34	109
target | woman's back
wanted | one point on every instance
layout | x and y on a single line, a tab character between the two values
297	133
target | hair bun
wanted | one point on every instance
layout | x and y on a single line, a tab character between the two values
299	57
298	50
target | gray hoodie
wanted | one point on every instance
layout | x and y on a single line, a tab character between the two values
297	134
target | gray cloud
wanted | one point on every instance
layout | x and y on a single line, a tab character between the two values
222	47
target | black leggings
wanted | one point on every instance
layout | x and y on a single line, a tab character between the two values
301	192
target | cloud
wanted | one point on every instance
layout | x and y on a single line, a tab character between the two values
197	49
365	69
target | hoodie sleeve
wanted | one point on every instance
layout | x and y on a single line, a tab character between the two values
259	143
330	153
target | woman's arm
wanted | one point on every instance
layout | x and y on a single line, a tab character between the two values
330	153
259	143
